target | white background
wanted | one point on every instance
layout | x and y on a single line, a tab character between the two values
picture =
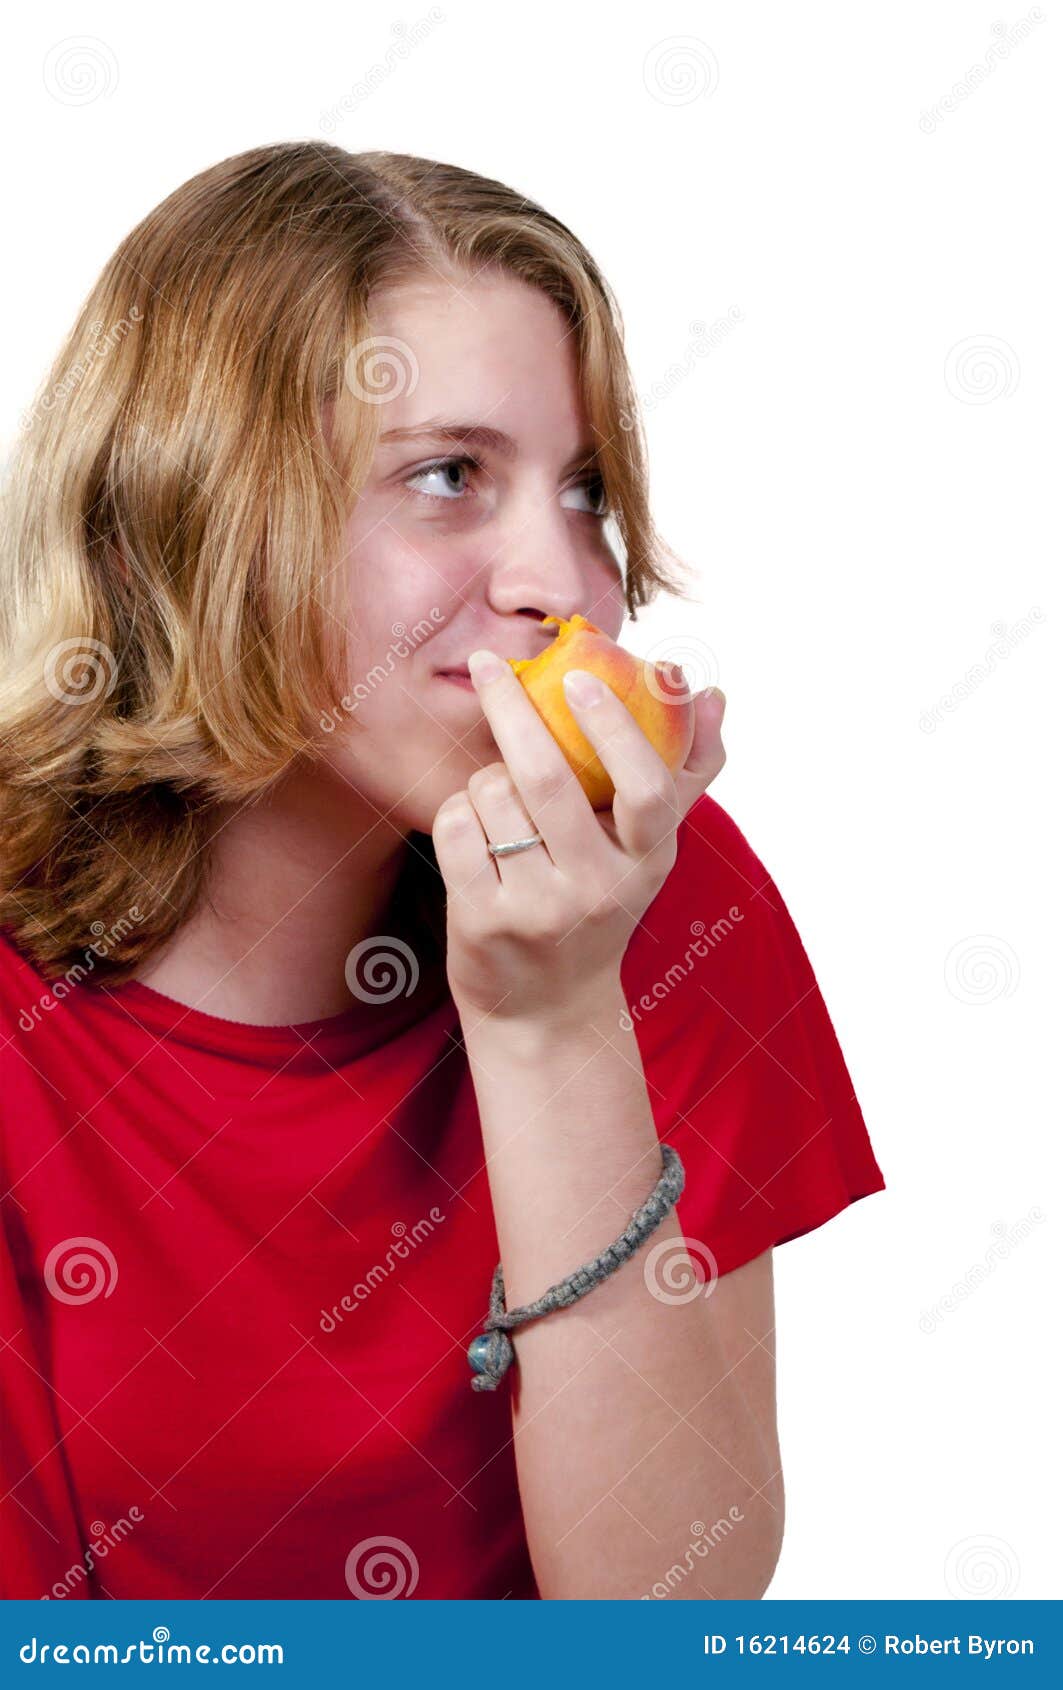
870	503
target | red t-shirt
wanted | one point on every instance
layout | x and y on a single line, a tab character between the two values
241	1265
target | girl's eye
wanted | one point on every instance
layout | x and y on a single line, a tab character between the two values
443	469
593	490
449	475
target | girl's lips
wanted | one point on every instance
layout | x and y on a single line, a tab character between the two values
459	678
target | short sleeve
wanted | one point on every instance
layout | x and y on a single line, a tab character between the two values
744	1070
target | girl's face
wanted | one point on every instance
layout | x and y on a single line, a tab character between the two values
475	522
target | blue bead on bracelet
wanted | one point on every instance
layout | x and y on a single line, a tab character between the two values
491	1352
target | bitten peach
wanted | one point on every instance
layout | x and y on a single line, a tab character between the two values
663	710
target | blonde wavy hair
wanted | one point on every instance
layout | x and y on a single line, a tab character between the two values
173	515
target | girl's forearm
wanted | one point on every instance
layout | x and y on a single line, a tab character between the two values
631	1434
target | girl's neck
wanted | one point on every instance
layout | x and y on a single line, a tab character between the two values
297	879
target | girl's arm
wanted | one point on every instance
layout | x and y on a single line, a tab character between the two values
644	1426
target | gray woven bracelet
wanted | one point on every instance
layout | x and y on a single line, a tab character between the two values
491	1352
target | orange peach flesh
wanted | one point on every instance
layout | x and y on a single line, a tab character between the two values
667	723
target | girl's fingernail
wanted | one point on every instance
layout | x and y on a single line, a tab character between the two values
484	666
582	689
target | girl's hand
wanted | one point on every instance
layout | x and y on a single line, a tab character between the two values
537	934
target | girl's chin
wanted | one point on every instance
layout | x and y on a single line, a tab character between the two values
407	799
421	805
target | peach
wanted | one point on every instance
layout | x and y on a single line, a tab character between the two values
662	708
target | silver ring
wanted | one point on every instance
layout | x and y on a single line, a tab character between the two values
514	845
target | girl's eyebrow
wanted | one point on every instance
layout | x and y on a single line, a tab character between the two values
470	434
